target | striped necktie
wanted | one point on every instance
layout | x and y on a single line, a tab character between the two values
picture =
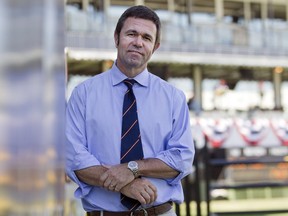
131	145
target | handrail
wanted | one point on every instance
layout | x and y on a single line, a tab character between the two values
254	38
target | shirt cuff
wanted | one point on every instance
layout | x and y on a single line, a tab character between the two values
78	164
173	159
83	189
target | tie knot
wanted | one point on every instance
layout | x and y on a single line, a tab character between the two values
129	83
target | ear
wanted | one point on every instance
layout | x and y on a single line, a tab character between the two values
116	39
156	46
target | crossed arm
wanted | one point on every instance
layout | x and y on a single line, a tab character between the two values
120	179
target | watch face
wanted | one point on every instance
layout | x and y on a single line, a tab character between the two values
133	165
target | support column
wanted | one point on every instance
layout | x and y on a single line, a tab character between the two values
264	10
264	17
197	87
85	4
171	5
171	8
139	2
247	11
106	5
287	11
277	80
219	11
189	10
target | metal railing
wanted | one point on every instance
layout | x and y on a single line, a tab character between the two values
95	30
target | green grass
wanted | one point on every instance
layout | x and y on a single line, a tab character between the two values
240	205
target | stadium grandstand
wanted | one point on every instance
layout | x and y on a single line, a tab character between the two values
230	40
230	57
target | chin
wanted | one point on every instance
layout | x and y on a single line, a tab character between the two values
135	63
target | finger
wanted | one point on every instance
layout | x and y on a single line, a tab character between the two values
112	187
153	188
141	199
107	183
103	177
152	194
146	197
118	188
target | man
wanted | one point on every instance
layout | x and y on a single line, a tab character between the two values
110	180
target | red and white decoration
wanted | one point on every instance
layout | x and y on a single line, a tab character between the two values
252	130
216	130
280	128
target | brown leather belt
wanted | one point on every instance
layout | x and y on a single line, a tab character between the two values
152	211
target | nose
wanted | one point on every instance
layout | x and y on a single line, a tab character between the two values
138	41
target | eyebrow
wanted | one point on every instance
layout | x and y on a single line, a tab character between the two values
143	35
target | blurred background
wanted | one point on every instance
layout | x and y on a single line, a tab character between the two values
230	57
32	106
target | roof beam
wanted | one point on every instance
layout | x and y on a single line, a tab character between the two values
188	58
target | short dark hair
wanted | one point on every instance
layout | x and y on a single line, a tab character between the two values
141	12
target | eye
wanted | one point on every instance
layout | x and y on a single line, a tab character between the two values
147	38
131	34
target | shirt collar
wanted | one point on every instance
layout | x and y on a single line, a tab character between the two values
118	76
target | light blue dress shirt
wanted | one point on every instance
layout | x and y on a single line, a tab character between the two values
93	132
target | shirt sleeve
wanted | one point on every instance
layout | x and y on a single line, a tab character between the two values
77	154
180	151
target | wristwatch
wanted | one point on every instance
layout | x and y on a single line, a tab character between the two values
133	166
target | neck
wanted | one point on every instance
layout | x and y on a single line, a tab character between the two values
130	72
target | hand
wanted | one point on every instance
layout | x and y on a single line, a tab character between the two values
116	177
142	190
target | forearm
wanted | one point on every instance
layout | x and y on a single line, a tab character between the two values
151	167
91	175
156	168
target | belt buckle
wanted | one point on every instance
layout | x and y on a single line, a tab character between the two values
142	209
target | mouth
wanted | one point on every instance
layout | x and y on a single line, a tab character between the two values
134	51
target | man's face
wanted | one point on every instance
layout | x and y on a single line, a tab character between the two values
136	44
